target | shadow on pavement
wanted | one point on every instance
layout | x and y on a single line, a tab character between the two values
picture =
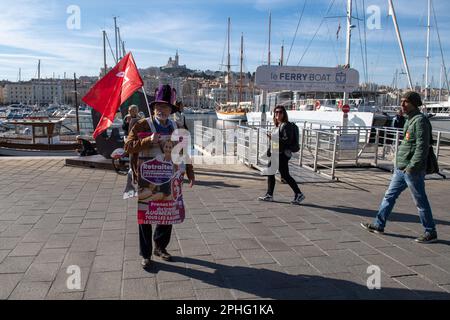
395	216
264	283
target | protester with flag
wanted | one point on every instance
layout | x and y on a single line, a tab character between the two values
144	143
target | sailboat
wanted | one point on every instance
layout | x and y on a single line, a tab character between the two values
300	107
232	111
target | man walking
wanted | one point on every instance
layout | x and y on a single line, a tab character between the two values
410	168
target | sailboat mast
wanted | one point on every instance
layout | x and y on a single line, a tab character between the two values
104	53
115	34
240	73
282	54
349	37
76	101
120	43
400	42
228	64
270	31
427	59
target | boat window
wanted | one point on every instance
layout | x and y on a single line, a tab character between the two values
40	131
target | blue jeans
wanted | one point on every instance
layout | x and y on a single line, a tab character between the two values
399	182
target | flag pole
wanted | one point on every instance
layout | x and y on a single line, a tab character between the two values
148	105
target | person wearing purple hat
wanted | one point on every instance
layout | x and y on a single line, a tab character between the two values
410	169
154	129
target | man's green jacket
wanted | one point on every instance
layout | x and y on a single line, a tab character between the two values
413	151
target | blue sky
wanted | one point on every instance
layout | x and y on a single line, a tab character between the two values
154	30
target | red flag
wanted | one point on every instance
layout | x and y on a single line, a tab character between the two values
112	90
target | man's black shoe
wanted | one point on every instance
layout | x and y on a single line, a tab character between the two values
163	254
427	237
371	227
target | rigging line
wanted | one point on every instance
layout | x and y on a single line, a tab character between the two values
334	46
360	41
386	23
317	31
110	48
361	47
440	46
296	30
365	39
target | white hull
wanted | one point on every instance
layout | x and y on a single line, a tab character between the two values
331	118
231	116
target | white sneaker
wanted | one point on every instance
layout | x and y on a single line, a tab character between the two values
267	197
298	199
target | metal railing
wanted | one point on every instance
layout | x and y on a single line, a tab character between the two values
324	151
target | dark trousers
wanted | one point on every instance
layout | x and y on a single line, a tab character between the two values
161	238
284	171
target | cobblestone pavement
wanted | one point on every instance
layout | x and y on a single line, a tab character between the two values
230	246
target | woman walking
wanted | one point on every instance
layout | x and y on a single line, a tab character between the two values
281	138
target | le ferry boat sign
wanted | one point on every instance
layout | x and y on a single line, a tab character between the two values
307	78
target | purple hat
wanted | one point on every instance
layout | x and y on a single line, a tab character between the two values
167	95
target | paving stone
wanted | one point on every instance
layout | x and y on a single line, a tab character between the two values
403	256
238	233
107	263
256	256
15	264
51	255
309	251
258	229
133	270
139	289
104	285
185	234
84	244
7	284
110	248
212	238
30	291
26	249
42	272
209	227
27	220
424	288
229	223
193	247
92	224
16	230
64	296
223	251
9	243
59	241
246	244
82	259
179	289
272	244
391	267
288	258
214	294
433	273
